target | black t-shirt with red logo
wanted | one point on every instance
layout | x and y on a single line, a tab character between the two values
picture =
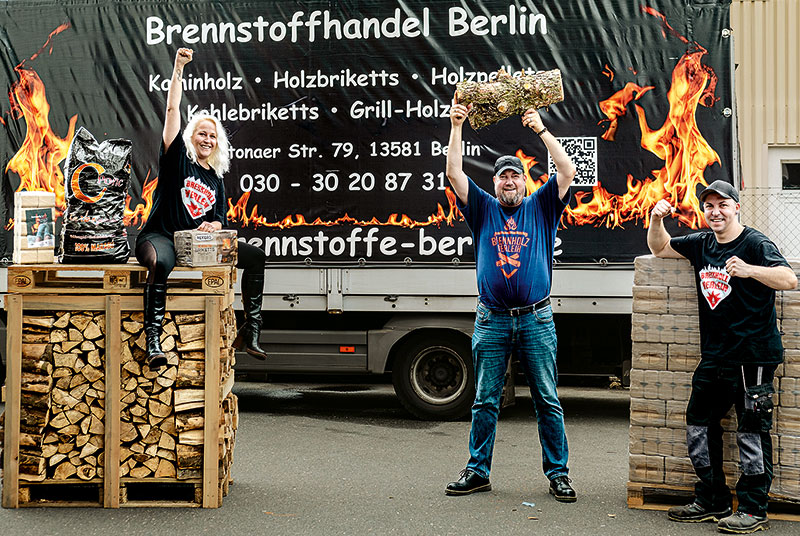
187	194
738	323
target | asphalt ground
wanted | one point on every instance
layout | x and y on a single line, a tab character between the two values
329	459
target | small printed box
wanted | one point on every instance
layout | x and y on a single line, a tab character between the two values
199	248
34	227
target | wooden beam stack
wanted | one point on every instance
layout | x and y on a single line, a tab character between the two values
666	350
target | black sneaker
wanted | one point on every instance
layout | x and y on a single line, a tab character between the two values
741	523
694	513
560	489
470	482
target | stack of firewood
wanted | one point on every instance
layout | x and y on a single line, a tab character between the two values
161	413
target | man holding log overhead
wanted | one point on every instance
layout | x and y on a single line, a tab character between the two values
514	237
737	270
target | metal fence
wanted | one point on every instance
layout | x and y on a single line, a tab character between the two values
776	213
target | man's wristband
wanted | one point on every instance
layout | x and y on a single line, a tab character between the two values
542	131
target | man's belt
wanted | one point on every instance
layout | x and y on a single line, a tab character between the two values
519	311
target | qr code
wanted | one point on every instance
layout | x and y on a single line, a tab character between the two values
583	152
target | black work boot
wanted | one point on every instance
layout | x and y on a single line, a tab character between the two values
247	338
470	482
155	303
694	513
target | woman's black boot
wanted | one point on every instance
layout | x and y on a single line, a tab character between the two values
247	338
155	303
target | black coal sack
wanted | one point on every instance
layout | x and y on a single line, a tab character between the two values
97	177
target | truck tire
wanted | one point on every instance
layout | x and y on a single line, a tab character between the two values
434	378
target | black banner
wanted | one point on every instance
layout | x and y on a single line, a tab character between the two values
338	111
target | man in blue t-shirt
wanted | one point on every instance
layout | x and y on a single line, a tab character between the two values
514	236
737	271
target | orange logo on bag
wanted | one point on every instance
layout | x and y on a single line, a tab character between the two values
76	187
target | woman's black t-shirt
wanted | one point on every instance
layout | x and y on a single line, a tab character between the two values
187	194
738	323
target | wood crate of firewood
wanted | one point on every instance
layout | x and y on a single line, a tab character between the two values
86	422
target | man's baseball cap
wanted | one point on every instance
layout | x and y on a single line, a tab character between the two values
508	162
725	189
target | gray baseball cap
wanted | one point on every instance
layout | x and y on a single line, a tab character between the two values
508	162
725	189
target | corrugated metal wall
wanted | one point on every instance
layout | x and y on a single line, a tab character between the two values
767	51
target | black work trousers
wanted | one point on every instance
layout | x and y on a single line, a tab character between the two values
715	388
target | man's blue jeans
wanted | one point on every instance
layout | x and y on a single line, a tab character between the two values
531	338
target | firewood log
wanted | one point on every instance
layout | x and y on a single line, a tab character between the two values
64	470
507	96
165	469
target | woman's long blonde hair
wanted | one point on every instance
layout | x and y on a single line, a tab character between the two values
220	160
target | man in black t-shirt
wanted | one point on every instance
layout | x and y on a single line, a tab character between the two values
737	271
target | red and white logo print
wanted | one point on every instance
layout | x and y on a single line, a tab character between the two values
715	284
197	197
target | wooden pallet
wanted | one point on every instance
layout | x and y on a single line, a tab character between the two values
112	491
132	493
646	496
114	278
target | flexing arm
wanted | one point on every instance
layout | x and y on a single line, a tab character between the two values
455	171
565	169
172	118
775	277
657	235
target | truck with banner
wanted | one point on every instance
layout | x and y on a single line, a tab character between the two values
338	117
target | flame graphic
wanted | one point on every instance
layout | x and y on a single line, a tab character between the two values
679	143
139	214
36	162
238	213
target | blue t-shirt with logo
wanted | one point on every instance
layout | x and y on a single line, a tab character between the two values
514	246
187	194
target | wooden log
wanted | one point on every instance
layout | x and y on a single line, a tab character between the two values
165	469
128	432
189	318
140	472
40	401
39	321
167	442
86	472
94	359
158	409
191	332
36	383
191	437
62	321
93	331
132	326
507	96
190	374
189	456
187	399
80	321
31	464
69	346
189	421
77	379
64	470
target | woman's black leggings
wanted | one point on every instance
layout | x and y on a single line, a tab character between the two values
157	252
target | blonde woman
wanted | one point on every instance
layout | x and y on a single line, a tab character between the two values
191	195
